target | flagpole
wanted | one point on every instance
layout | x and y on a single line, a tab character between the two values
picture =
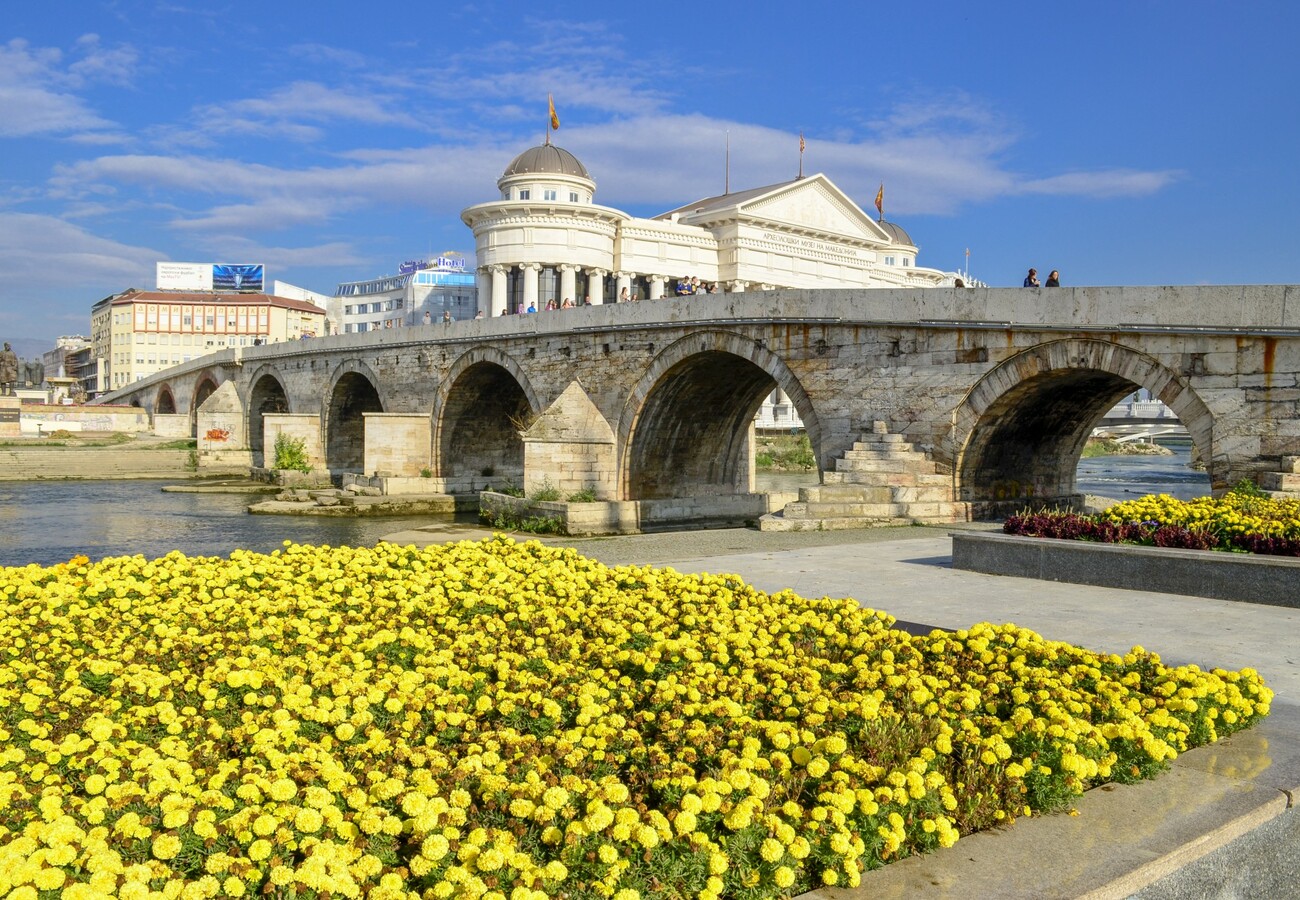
801	153
726	180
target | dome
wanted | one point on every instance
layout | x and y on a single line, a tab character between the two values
547	159
896	233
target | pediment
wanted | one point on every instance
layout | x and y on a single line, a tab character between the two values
815	204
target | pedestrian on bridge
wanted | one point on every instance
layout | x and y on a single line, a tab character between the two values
1031	280
1053	279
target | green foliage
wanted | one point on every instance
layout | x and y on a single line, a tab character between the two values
192	461
545	492
291	453
586	495
784	453
508	520
426	473
1247	488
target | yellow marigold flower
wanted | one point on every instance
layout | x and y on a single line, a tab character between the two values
784	876
771	850
166	846
233	887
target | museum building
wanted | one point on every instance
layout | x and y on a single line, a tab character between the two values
546	239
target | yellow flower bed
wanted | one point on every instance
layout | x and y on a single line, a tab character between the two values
506	720
1233	514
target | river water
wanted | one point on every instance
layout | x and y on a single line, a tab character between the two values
47	522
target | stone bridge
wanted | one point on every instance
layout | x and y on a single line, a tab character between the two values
998	389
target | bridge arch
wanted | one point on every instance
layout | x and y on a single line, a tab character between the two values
204	388
352	393
165	403
1018	434
266	396
483	403
685	425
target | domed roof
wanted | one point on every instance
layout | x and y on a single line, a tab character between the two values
896	233
547	159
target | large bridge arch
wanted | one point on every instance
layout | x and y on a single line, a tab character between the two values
685	425
267	395
1017	435
353	392
483	403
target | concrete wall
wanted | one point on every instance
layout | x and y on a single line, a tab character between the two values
171	425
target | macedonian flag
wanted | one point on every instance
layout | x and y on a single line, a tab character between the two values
555	118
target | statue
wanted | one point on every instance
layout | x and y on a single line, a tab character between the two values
8	370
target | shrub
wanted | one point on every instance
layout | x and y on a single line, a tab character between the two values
586	495
291	453
545	492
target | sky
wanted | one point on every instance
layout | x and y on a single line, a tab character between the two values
1146	142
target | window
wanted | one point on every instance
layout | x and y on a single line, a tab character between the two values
347	310
907	260
525	195
889	260
548	195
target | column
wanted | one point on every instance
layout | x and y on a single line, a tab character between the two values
624	283
656	286
500	286
482	284
596	286
568	283
530	284
736	287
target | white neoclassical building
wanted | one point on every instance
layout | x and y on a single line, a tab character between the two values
547	239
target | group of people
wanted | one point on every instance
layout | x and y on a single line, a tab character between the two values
1053	279
688	287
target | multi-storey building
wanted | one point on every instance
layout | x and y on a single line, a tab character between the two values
420	296
137	333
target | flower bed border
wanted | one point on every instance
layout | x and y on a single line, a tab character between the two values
1271	580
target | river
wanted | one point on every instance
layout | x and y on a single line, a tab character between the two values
47	522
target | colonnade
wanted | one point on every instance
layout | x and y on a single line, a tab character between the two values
494	283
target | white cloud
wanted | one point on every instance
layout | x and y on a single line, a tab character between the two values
40	255
36	90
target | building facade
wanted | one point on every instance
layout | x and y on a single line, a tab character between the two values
421	296
137	333
545	240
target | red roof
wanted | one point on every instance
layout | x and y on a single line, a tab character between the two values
219	298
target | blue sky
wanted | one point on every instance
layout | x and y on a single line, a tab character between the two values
1123	143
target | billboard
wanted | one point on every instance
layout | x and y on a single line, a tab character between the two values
183	276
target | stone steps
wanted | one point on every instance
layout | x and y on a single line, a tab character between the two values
1280	481
883	480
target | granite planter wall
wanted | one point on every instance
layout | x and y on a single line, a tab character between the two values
1272	580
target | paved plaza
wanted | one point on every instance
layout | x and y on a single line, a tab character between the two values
1218	825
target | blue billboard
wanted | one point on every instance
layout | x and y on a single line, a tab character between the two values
226	277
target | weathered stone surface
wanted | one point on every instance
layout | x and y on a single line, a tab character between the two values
994	387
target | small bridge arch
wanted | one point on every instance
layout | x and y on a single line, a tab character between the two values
1019	432
165	404
352	393
267	396
484	403
204	387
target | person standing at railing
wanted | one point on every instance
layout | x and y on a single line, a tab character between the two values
1053	279
1031	280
